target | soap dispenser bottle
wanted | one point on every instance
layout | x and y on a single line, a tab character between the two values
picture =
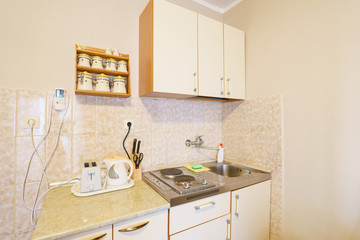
220	153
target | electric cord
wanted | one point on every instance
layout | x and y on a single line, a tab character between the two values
48	164
32	155
129	125
36	152
44	165
56	186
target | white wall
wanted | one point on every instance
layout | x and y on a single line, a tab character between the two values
309	51
38	54
38	38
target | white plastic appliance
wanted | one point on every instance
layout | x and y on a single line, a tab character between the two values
116	173
90	178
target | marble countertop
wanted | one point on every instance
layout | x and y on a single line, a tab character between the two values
64	214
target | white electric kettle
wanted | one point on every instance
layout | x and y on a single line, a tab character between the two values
116	172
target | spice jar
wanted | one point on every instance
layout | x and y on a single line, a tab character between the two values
122	66
119	83
102	83
111	64
85	81
97	62
84	60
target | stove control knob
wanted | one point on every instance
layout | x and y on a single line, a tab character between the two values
204	182
186	185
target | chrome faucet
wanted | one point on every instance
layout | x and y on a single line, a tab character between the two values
198	143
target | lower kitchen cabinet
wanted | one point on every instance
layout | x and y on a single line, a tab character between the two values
153	226
250	212
242	214
216	229
103	233
191	214
204	219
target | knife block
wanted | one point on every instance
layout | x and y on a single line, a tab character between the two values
137	172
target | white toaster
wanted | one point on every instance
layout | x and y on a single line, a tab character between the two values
90	178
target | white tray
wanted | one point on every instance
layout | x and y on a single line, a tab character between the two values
75	189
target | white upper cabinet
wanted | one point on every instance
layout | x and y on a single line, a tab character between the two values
183	54
167	50
210	47
234	62
175	36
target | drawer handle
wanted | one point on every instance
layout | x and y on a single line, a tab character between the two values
228	229
236	206
204	205
134	228
96	237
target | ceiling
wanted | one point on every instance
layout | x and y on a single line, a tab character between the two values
221	6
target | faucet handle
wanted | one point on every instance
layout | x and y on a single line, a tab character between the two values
199	140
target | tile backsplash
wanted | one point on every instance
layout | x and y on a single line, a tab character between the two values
94	129
252	134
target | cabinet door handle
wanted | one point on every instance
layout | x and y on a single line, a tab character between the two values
236	205
228	229
204	205
221	86
98	237
195	82
228	86
134	228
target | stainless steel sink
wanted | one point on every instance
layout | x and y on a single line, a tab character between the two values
229	171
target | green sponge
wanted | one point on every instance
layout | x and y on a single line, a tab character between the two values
196	166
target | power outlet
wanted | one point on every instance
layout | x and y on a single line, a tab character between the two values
35	118
125	126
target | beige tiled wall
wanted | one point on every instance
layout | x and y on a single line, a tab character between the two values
93	130
252	134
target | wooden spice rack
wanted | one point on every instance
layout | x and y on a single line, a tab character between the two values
101	53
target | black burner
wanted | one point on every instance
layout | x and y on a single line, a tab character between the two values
184	179
171	172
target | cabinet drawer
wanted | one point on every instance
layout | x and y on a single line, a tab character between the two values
153	226
216	229
197	212
103	233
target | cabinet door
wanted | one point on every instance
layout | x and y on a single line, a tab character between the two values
213	230
175	49
210	38
234	62
251	212
103	233
153	226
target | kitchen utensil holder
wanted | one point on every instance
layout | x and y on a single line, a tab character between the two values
137	172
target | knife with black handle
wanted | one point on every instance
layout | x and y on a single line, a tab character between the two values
134	146
138	147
